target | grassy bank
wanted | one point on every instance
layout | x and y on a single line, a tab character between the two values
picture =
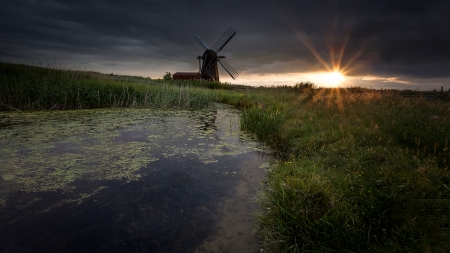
35	88
360	170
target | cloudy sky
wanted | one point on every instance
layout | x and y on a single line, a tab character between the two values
374	43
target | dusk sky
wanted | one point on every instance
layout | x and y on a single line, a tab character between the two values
373	43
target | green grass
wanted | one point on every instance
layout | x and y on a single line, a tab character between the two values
354	176
359	170
35	88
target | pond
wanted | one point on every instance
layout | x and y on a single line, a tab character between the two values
128	180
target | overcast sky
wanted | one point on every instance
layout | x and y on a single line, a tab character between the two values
381	43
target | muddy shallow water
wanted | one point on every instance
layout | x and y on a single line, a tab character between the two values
129	180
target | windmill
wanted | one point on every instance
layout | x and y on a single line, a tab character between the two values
208	69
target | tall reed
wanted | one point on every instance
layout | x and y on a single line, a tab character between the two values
35	88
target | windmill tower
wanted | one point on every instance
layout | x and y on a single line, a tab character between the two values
207	63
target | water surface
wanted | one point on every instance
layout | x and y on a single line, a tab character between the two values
129	180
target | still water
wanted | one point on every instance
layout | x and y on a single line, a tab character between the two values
129	180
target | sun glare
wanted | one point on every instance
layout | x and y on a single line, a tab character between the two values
336	67
334	78
329	79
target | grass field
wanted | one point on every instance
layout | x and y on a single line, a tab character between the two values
35	88
359	170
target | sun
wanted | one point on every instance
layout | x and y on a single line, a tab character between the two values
330	79
334	78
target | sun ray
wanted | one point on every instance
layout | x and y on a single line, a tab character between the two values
341	53
337	65
301	34
339	101
344	69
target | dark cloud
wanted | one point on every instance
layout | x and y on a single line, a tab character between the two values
380	37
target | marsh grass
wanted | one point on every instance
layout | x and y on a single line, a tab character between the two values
354	176
35	88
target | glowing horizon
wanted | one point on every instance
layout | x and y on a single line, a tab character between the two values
320	79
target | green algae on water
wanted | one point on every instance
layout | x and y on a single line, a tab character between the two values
48	151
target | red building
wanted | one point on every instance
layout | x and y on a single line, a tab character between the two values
186	76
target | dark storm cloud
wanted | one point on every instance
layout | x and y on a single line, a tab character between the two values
389	37
381	37
408	38
92	27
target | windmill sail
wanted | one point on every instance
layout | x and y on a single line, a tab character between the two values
233	73
200	42
224	39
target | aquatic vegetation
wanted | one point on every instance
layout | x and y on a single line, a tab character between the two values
47	151
136	178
